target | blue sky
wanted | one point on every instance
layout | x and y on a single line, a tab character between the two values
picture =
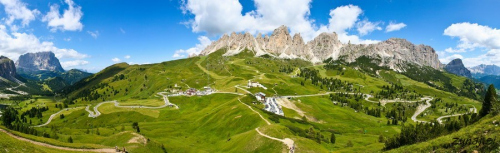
93	34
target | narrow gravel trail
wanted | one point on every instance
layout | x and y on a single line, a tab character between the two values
55	115
243	89
268	123
110	150
287	141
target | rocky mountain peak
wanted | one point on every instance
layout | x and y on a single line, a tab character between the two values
7	68
325	45
394	52
282	30
486	69
457	67
31	62
279	41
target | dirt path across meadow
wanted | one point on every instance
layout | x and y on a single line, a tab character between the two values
110	150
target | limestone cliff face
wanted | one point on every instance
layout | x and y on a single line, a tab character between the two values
324	46
393	52
7	68
32	62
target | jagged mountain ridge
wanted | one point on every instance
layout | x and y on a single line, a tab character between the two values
484	70
393	52
41	61
457	67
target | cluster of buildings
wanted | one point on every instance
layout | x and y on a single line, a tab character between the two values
195	92
252	84
270	103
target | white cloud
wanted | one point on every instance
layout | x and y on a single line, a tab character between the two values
204	42
68	21
451	50
74	63
394	26
341	20
15	44
489	58
344	18
365	27
473	35
224	16
67	39
127	56
17	10
94	34
116	60
447	59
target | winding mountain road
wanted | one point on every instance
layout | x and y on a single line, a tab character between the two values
421	108
55	115
96	112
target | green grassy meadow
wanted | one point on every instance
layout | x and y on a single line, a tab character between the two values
219	122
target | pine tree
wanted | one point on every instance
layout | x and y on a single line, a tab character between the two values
489	100
332	138
70	140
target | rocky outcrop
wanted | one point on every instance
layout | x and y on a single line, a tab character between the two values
32	62
394	53
324	46
457	67
7	68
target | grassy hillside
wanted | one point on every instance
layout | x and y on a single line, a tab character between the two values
486	130
9	144
340	99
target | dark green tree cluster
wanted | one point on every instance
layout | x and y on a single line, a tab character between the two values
411	134
400	112
118	78
35	112
11	121
330	84
286	69
376	112
490	103
396	91
135	126
61	106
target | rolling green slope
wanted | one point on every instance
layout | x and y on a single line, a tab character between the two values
317	100
465	140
